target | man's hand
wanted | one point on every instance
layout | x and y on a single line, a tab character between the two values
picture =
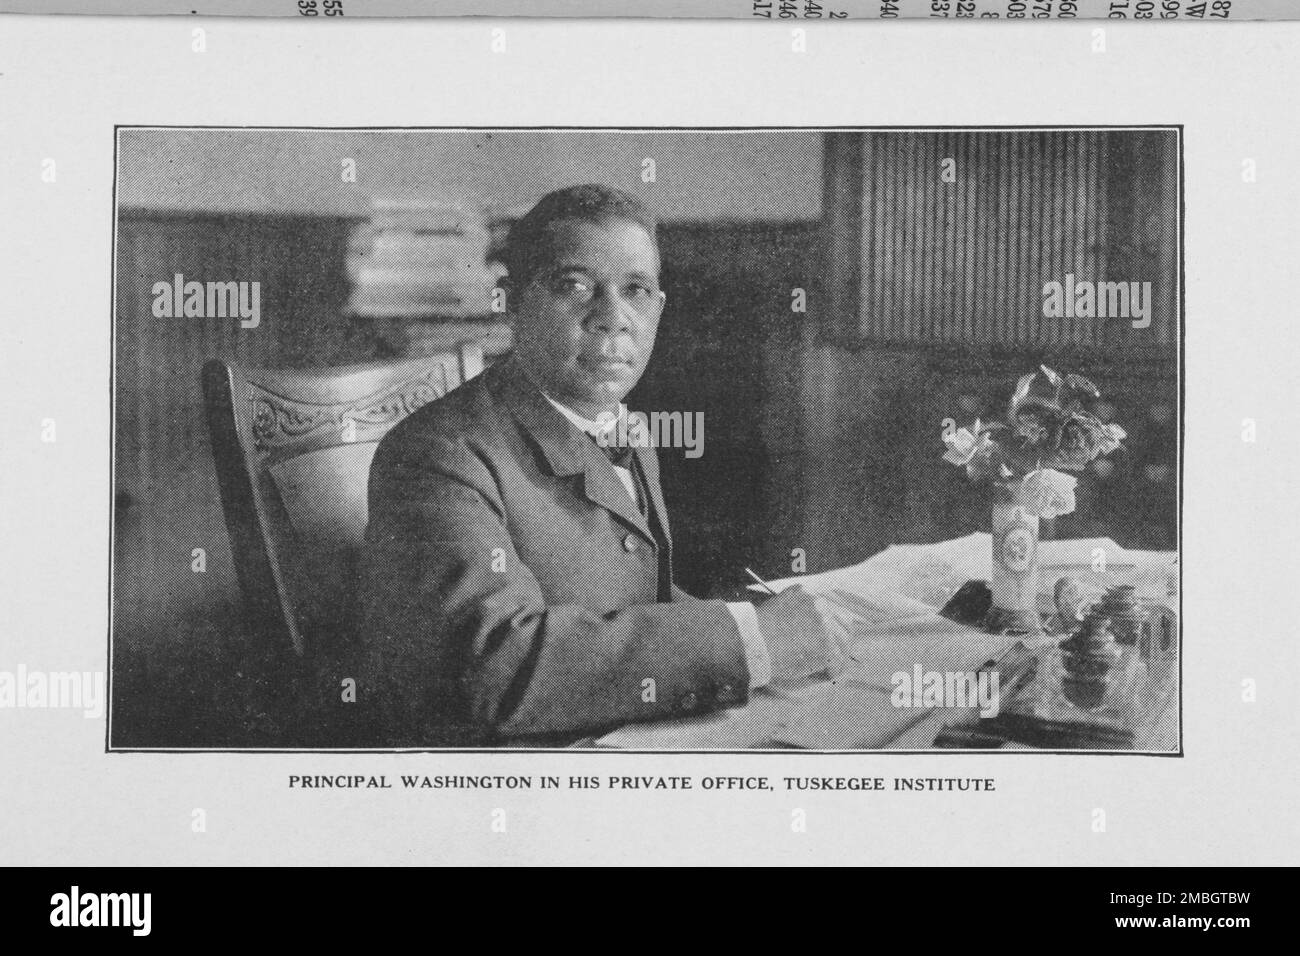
797	637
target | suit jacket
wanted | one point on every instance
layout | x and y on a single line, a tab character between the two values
512	590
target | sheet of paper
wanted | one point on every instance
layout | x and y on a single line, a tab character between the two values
934	644
904	575
852	711
740	728
846	715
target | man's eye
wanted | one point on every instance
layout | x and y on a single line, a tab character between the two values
641	291
568	285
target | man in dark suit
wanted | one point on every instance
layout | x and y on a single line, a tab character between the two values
518	574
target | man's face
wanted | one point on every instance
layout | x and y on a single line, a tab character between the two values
585	323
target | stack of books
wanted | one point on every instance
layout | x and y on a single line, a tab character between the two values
421	259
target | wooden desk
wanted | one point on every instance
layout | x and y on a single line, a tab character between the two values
827	715
855	712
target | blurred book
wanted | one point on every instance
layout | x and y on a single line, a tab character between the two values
421	259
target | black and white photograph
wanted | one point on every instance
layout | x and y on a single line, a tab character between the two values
647	439
694	434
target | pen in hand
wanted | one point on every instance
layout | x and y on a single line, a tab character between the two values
766	587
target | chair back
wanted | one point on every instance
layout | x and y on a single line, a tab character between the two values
292	450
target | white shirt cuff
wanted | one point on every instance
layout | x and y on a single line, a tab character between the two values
757	657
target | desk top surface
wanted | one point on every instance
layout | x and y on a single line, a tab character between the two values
899	593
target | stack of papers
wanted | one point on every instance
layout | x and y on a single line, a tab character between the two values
931	573
844	715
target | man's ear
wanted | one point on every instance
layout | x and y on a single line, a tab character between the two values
663	299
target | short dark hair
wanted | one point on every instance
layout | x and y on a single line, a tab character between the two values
591	202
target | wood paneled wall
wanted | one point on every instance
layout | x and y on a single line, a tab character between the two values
948	237
165	483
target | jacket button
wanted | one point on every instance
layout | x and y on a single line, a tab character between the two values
629	543
727	695
688	702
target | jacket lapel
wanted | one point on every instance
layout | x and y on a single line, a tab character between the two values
602	486
568	451
650	468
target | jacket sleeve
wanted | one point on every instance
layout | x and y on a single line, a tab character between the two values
461	646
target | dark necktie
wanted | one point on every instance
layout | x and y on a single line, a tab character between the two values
620	455
624	457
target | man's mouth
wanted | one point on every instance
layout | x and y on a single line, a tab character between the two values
605	363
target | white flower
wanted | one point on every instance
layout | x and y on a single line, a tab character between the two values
963	444
1111	440
1047	493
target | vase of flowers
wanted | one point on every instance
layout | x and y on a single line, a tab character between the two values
1049	431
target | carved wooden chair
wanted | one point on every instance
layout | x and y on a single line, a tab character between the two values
293	451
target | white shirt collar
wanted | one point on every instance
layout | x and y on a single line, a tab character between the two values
587	425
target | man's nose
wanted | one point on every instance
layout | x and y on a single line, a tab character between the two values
609	315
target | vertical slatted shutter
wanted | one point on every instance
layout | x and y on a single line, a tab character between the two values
965	262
